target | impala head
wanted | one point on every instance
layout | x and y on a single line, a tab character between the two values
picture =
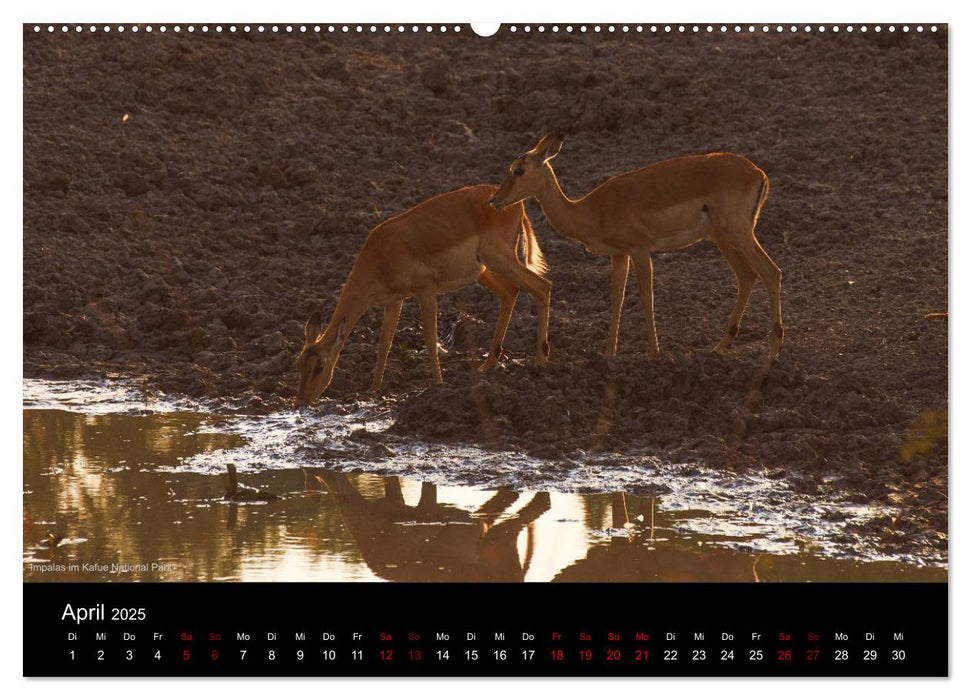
527	173
316	361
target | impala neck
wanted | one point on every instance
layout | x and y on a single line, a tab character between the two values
571	217
351	305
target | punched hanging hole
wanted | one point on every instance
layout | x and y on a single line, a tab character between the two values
485	28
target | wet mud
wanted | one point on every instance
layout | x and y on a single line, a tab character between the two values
189	200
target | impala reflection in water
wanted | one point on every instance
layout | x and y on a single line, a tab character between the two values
432	541
110	498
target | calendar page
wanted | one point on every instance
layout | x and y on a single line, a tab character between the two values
449	350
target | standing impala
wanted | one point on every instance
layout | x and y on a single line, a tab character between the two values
441	245
665	206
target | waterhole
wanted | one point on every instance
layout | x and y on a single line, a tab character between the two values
120	487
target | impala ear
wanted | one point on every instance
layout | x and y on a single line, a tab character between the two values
341	334
311	329
550	145
541	144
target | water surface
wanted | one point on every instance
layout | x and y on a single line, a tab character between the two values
118	489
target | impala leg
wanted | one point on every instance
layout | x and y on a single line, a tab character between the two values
745	280
540	289
429	497
496	506
645	290
771	277
537	287
507	291
618	509
428	303
392	490
542	296
619	267
391	313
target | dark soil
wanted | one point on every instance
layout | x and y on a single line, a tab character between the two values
190	199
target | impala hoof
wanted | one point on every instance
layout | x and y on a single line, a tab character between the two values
543	353
495	357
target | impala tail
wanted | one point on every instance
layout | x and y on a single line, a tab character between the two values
533	256
763	195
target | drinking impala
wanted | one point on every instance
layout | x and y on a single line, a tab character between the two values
439	246
665	206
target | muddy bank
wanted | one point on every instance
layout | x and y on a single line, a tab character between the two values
819	433
185	245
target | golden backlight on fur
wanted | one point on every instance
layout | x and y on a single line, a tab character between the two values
315	364
665	206
445	243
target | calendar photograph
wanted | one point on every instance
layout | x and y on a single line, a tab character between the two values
406	304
